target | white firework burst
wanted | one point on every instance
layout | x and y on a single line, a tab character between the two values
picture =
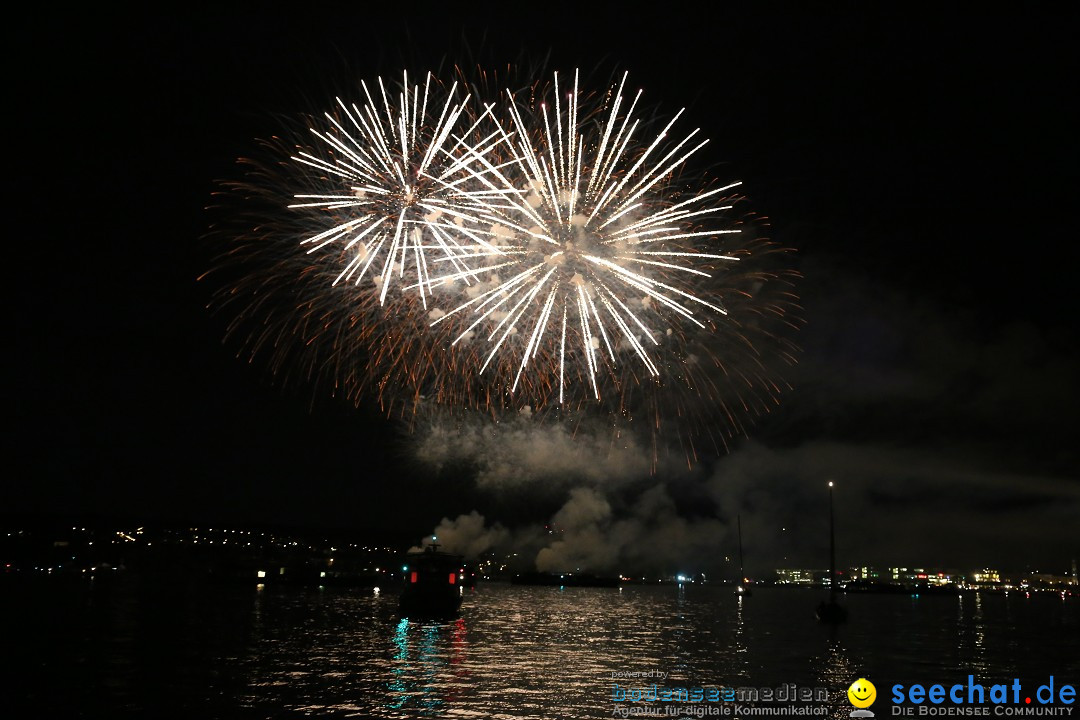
613	259
391	199
550	259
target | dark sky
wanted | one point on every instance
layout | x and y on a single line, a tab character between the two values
922	161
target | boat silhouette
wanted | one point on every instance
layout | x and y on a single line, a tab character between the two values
433	584
831	612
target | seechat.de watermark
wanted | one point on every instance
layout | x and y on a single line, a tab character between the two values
972	698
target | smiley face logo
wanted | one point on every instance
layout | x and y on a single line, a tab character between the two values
862	693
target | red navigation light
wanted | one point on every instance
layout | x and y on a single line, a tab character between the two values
412	578
453	578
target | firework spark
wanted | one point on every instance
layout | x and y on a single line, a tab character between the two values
379	209
622	270
548	254
391	174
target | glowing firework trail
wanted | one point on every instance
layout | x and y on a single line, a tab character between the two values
601	236
393	202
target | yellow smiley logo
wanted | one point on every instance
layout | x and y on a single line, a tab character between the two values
862	693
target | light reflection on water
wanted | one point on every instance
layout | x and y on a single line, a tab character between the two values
543	652
531	652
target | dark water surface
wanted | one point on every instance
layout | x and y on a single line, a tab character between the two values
139	647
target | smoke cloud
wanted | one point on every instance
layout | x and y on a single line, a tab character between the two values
522	452
894	506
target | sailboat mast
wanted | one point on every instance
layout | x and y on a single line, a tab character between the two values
832	548
742	571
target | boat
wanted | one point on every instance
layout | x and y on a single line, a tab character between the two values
916	589
872	587
831	612
433	584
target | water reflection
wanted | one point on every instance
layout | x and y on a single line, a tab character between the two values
740	659
428	670
679	661
515	652
978	627
398	686
836	672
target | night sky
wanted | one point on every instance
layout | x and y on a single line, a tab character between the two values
923	162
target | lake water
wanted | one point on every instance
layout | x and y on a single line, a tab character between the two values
137	647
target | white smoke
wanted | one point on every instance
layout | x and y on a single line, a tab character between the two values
587	535
468	535
519	452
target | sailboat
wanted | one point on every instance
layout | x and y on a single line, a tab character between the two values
744	584
831	613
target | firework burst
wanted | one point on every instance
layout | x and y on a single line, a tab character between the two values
623	270
378	208
390	175
548	255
